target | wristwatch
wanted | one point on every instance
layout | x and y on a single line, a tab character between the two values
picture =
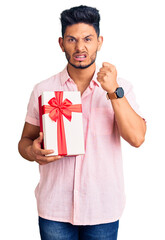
119	93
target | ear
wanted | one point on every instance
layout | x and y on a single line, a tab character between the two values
60	40
100	42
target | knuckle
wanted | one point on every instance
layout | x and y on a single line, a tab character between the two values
34	149
107	74
36	152
42	152
38	157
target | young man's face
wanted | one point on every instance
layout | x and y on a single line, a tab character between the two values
80	44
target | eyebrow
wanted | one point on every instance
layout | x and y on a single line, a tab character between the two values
69	36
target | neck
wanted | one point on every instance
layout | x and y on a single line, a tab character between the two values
81	77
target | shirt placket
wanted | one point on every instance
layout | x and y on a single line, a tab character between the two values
77	176
76	190
76	186
78	163
71	86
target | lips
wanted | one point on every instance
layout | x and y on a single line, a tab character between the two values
80	56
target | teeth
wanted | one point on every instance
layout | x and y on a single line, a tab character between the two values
80	56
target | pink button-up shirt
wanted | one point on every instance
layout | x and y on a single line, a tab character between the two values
86	189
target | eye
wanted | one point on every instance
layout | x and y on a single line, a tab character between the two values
88	39
71	40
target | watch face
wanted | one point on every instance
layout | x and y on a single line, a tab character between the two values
120	92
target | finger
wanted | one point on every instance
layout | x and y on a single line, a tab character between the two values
39	151
40	138
44	152
41	162
54	158
100	79
47	159
108	65
37	144
104	69
102	74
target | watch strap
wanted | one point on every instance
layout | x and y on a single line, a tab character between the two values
111	96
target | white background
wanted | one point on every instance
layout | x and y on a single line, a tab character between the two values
134	41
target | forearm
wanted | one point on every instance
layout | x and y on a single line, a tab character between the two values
24	148
30	146
131	126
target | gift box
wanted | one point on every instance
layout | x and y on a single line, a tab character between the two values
61	122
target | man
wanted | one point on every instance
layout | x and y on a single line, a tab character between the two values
82	197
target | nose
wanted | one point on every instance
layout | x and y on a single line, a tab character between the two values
80	46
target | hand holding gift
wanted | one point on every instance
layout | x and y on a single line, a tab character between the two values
39	155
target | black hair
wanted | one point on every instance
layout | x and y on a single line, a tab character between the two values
80	14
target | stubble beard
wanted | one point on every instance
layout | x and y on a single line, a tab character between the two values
93	59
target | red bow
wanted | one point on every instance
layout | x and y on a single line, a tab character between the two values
56	109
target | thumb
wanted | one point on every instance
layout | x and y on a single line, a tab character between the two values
40	138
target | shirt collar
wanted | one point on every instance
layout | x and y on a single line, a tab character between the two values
65	77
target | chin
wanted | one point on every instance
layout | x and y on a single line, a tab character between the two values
81	65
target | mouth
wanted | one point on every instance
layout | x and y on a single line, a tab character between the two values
80	57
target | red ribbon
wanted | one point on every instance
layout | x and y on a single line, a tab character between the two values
58	108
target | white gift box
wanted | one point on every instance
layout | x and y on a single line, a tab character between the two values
61	122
